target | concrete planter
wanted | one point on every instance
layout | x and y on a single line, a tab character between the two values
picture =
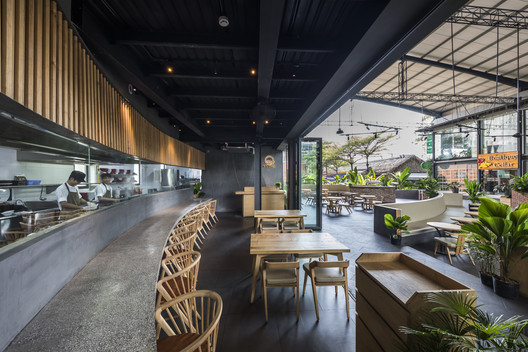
518	198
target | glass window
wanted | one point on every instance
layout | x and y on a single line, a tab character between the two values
497	134
456	142
456	172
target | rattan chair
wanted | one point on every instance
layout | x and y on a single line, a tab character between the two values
327	274
190	322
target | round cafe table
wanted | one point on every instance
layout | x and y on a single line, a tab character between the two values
464	219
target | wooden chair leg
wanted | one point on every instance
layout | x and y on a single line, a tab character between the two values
346	299
449	255
436	248
315	299
297	295
265	293
304	286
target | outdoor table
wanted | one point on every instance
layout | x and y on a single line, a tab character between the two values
293	214
369	198
265	244
464	220
445	226
471	213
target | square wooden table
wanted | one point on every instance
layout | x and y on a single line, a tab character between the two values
293	214
264	244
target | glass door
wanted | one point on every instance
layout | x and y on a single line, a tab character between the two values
310	181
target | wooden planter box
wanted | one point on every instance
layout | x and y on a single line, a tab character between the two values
392	289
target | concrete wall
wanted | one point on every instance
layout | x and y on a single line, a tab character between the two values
225	173
34	269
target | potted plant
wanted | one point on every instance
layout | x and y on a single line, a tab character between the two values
455	186
399	225
456	323
473	190
197	190
430	187
278	185
485	261
519	186
500	230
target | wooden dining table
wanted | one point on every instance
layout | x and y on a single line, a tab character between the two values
332	206
464	219
445	226
264	244
369	198
471	213
292	214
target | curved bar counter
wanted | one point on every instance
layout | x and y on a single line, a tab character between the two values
111	300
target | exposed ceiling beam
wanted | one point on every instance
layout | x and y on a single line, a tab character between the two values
232	75
501	79
270	24
437	98
401	105
491	17
400	26
237	109
127	67
217	42
230	94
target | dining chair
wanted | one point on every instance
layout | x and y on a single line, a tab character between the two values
212	211
190	322
291	224
280	274
456	241
180	242
269	225
327	274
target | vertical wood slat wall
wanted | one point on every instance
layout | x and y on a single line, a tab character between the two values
44	67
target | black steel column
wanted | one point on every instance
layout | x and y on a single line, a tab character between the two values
293	174
520	140
257	181
479	148
433	158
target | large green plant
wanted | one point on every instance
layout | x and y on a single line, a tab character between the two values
398	224
197	190
430	186
501	231
401	178
473	190
458	324
520	183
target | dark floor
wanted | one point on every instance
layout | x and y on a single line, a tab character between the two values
225	267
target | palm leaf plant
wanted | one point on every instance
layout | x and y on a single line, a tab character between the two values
473	190
398	224
458	324
500	231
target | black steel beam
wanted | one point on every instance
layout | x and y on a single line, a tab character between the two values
202	75
401	25
491	17
124	64
401	105
501	79
437	98
270	24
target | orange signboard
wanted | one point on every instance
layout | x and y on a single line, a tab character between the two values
508	160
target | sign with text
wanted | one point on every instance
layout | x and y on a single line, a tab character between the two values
507	160
429	144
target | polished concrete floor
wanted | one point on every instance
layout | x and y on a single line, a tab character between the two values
225	268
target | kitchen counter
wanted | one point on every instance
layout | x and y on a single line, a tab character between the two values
34	269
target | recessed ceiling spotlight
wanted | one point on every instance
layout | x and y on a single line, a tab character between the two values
266	122
169	69
223	21
293	75
208	121
253	122
253	72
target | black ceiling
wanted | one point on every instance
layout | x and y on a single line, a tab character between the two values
305	53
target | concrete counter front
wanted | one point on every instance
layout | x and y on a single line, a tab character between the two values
272	199
33	271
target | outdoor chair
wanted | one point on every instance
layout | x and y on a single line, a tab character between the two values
327	274
456	241
280	274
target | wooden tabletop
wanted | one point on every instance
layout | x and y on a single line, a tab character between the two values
334	198
447	226
293	213
464	219
289	243
472	213
367	196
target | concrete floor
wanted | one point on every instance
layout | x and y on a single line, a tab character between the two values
225	268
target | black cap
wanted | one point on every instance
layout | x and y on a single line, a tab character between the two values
78	176
105	175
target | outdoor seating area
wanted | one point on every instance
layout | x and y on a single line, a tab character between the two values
335	202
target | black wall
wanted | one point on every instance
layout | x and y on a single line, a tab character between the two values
225	173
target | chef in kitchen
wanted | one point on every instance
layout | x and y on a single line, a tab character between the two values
68	195
103	191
